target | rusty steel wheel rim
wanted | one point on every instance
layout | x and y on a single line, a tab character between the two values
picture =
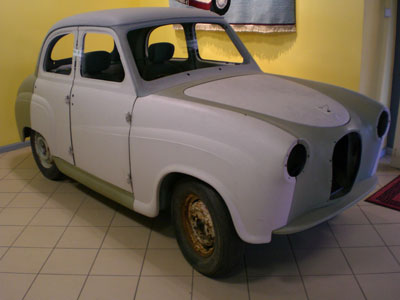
198	225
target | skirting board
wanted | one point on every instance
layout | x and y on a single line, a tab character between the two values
14	146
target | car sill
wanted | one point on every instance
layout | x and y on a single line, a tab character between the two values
106	189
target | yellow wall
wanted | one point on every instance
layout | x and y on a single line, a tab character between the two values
22	30
327	46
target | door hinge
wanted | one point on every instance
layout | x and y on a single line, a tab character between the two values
128	117
68	99
129	179
71	151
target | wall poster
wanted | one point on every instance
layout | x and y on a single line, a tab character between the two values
264	16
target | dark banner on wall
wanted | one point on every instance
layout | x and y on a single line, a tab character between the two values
263	16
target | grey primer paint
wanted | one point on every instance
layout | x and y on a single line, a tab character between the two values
307	208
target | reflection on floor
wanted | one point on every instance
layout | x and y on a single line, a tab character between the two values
59	240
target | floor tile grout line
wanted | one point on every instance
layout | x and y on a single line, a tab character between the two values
144	258
55	245
27	155
97	253
298	267
1	256
27	224
75	226
395	257
39	207
192	284
20	178
344	247
383	240
20	191
9	172
246	272
28	181
113	275
11	200
322	275
368	224
347	261
190	276
33	192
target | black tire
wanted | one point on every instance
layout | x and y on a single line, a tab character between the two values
220	9
43	158
217	254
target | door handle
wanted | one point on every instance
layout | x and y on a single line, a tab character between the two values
68	99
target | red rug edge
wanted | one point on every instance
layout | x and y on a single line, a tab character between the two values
372	198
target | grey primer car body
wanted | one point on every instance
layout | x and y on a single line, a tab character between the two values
269	154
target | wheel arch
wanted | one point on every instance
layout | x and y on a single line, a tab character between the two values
169	180
43	119
167	185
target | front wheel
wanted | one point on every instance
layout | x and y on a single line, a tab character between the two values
220	6
43	157
204	229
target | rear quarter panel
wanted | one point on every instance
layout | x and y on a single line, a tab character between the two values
43	115
23	105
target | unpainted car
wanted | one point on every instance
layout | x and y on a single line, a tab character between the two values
141	108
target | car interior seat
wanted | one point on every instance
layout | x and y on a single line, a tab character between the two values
159	56
102	65
94	63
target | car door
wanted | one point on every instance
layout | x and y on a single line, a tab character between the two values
101	105
50	106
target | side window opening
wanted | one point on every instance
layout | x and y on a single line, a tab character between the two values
101	59
59	55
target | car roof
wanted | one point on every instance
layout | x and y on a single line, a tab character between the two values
133	15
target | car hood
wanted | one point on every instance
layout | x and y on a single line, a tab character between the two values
274	96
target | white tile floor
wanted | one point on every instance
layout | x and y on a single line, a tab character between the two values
59	240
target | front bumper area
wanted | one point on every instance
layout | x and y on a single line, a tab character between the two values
320	215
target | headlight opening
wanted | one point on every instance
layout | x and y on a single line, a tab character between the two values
296	160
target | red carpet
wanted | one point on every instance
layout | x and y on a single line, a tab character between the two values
388	196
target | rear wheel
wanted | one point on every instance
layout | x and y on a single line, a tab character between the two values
43	157
204	229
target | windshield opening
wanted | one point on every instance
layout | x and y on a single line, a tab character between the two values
165	50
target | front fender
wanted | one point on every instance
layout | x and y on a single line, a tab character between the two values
241	157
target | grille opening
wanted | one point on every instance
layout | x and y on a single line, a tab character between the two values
345	164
